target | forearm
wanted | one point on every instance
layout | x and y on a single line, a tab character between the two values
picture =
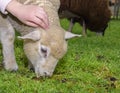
3	5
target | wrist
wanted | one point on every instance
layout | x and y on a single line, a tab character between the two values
13	7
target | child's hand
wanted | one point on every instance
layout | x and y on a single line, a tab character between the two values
30	15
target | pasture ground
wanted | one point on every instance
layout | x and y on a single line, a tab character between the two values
91	65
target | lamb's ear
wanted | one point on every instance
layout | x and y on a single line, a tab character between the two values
35	35
69	35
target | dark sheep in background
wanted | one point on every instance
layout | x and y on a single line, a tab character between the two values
91	14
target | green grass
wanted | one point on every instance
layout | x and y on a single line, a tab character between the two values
91	65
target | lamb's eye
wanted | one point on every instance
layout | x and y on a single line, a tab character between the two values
44	50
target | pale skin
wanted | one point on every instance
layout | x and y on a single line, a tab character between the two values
30	15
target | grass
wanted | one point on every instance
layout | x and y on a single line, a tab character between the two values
91	65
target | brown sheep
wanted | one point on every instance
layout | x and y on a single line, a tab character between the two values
93	15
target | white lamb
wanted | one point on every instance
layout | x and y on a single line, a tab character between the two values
42	48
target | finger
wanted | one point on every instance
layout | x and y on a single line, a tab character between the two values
38	22
29	23
43	16
41	21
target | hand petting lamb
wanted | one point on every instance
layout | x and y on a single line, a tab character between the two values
91	14
43	48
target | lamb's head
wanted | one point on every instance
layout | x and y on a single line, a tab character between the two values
44	49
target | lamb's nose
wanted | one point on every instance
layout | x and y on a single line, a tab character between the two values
47	74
